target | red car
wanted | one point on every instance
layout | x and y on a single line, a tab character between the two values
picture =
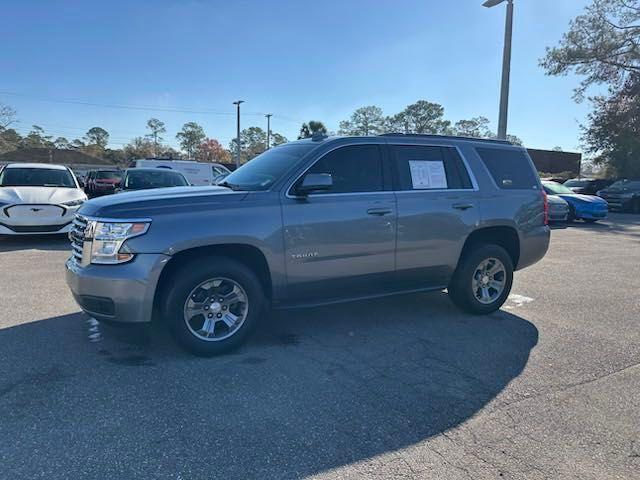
102	182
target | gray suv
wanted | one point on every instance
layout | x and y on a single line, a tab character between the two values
312	222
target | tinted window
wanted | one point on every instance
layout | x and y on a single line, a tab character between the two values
578	183
136	180
356	168
429	168
108	175
36	177
510	168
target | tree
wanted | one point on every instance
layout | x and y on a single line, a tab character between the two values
9	140
97	136
211	150
139	147
312	128
364	121
602	45
36	138
425	117
477	127
7	116
156	129
190	137
613	130
557	149
61	143
252	143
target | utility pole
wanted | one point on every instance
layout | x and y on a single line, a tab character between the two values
237	104
506	66
269	115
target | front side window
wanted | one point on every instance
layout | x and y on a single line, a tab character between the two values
355	168
36	177
554	188
429	168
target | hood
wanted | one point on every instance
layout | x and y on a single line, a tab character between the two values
140	203
577	197
54	195
620	190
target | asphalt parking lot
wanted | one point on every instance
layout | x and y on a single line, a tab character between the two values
408	387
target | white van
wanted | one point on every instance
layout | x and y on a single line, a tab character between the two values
196	173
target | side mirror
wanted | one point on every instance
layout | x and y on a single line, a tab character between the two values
315	182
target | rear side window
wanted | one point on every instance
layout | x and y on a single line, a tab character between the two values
510	168
355	168
429	168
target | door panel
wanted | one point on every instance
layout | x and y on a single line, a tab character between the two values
336	247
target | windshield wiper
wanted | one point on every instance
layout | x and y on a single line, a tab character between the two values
232	186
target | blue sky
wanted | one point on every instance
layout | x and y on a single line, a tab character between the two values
297	60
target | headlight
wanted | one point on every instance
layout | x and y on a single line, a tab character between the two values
73	203
108	239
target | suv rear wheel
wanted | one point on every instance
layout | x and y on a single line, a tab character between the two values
214	305
482	282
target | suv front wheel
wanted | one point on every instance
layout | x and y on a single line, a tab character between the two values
482	282
214	305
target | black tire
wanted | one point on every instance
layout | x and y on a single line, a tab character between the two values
590	220
461	290
571	216
187	278
635	207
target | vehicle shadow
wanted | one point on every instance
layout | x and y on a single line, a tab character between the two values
315	389
616	223
56	242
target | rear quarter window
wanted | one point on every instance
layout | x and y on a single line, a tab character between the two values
510	168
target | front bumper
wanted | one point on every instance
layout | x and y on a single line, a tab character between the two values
120	293
6	229
36	219
592	213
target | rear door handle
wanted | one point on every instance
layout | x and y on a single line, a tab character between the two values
462	206
379	211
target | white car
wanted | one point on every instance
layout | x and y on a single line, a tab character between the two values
196	173
37	198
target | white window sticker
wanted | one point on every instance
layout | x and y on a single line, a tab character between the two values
427	174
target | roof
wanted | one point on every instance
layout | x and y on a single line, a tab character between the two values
152	169
36	165
321	138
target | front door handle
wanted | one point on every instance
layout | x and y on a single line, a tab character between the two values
462	206
379	211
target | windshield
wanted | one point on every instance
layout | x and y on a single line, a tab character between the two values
137	180
36	177
577	183
268	167
554	188
108	176
634	184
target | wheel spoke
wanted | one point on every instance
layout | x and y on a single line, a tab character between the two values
209	327
497	286
229	319
485	293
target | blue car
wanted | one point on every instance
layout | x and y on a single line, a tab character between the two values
581	207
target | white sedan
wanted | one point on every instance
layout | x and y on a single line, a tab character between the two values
37	198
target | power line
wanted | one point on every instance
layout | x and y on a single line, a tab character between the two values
152	108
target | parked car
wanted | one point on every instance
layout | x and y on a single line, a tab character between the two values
38	198
558	209
196	173
310	222
581	207
587	186
146	178
623	195
102	182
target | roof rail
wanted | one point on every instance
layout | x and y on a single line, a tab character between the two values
446	137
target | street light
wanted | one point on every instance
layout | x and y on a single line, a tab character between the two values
237	104
268	115
506	66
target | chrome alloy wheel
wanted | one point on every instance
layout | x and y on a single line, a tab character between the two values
489	280
216	309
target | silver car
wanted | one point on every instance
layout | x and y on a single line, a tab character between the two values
317	221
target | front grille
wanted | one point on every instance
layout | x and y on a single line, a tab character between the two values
77	236
35	228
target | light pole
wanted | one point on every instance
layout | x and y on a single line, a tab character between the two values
506	66
269	115
237	104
